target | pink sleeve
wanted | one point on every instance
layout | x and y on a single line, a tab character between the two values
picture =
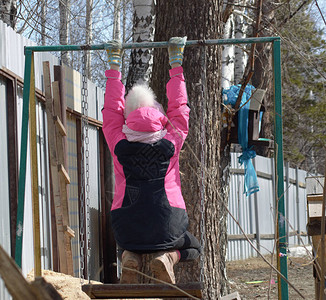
178	110
112	112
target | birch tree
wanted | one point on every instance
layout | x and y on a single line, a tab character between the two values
198	20
241	30
116	20
143	31
228	57
8	11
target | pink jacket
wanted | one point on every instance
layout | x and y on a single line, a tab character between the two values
148	210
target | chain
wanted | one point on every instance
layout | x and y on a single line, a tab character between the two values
84	195
202	160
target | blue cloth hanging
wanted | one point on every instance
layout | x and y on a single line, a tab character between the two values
250	181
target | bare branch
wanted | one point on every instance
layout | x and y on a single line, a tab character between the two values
251	60
227	11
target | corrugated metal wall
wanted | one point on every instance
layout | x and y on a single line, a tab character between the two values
93	221
44	188
73	189
4	182
12	58
256	213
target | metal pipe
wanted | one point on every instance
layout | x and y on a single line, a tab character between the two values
281	241
152	44
23	158
256	214
297	202
287	199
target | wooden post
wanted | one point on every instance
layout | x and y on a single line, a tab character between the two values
14	281
34	175
64	177
322	277
18	287
59	75
65	255
12	157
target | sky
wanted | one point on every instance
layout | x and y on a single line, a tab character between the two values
322	6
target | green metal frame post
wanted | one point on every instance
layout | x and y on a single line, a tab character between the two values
23	157
279	201
281	242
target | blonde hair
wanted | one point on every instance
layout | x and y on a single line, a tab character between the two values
140	95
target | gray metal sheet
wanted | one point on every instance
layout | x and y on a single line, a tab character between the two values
243	208
4	183
12	57
94	203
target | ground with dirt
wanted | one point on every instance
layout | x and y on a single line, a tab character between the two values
252	278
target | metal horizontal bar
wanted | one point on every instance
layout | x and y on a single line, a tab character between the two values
267	236
152	44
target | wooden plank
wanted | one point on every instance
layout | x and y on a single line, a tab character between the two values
69	231
233	296
55	182
34	175
314	227
60	126
314	198
44	290
17	285
12	157
11	75
315	210
14	281
114	291
64	173
59	76
61	157
316	244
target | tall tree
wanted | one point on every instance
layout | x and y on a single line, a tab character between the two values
89	34
43	21
198	20
116	20
262	77
64	6
143	31
228	50
8	11
304	97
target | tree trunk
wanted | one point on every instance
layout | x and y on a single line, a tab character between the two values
124	30
116	20
64	28
89	35
228	55
143	31
198	20
241	56
262	77
8	11
43	21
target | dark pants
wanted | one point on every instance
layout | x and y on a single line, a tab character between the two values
188	246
